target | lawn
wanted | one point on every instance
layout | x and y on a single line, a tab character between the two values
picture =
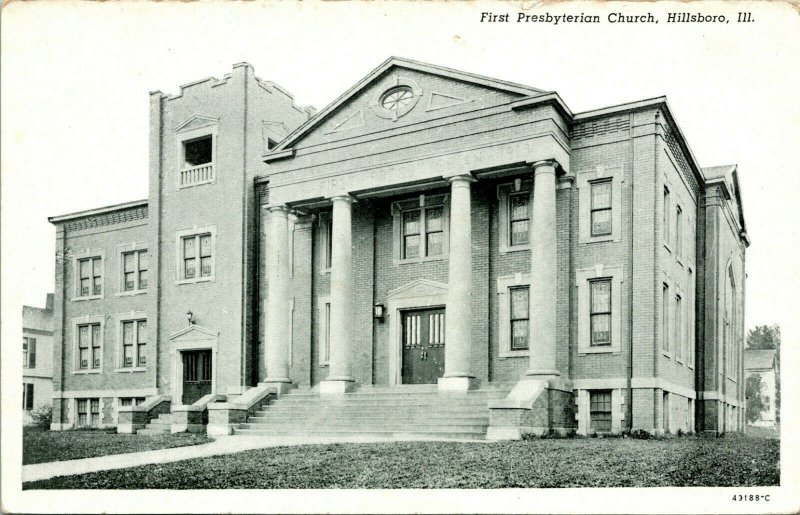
544	463
40	446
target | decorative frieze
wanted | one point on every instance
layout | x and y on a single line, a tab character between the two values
100	220
601	127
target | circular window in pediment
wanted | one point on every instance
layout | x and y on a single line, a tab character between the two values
397	100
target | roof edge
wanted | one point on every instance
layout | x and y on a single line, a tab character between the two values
97	211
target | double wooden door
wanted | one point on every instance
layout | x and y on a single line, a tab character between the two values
196	375
423	346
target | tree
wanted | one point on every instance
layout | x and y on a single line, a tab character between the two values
769	337
753	395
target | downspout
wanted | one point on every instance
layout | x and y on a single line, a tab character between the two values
629	414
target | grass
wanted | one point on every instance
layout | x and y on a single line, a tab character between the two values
41	446
548	463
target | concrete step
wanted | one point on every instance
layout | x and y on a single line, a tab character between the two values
153	431
359	426
370	396
476	418
404	435
388	401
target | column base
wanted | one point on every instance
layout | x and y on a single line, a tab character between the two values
336	386
456	384
281	385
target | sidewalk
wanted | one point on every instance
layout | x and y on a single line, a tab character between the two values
222	445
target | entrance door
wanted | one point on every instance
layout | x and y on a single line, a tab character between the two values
196	375
423	346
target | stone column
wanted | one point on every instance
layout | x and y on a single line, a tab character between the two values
340	375
458	316
278	330
543	288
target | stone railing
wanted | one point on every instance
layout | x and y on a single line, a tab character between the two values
223	417
196	175
193	418
133	418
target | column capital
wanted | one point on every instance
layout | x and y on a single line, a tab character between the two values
544	166
280	209
463	178
342	198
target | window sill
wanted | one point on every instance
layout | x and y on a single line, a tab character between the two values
192	185
90	297
131	293
130	370
680	261
690	367
325	271
324	363
514	354
515	248
668	247
82	372
667	354
192	281
610	349
398	262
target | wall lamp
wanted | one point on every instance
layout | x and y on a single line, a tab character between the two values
378	311
190	317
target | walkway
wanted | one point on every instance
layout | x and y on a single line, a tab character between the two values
221	445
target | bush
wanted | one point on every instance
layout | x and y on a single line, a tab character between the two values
42	416
641	434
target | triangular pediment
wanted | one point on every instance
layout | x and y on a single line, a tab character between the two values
401	92
418	288
193	333
197	121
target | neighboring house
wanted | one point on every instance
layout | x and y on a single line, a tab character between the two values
37	358
429	227
762	362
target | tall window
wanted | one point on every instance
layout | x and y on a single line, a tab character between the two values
600	410
679	327
134	343
678	231
89	347
28	352
519	217
601	208
329	243
666	215
197	256
326	338
197	152
27	396
520	318
425	223
665	317
134	270
690	320
91	277
600	316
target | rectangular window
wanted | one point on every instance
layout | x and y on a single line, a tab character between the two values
326	352
197	256
601	208
678	231
28	352
665	317
520	318
131	401
411	240
197	152
83	412
134	270
27	396
329	243
600	315
90	280
134	342
89	350
94	405
434	232
678	327
519	217
600	410
690	319
666	215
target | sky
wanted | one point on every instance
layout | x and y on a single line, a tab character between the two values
76	77
75	80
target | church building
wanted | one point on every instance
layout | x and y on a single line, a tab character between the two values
452	253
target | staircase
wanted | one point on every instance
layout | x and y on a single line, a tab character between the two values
402	412
158	426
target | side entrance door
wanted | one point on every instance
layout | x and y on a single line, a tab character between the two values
196	375
423	346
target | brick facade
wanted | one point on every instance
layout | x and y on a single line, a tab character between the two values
457	124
